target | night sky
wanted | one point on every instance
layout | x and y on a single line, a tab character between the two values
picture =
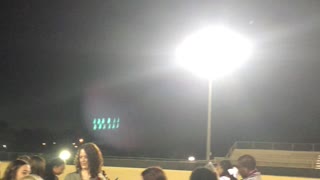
64	62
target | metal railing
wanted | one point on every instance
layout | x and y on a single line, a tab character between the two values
315	147
270	161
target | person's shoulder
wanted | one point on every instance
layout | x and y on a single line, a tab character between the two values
72	176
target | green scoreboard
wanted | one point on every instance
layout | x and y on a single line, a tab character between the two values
105	124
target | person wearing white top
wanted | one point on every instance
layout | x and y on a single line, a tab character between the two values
226	171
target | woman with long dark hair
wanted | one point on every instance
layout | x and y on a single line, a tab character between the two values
16	170
88	163
54	168
25	158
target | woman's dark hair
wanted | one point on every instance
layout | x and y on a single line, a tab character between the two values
226	165
38	165
11	171
32	177
25	158
203	173
95	160
49	175
153	173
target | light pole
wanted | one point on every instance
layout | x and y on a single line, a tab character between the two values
209	123
212	53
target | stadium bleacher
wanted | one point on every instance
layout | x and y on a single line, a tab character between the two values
274	157
280	158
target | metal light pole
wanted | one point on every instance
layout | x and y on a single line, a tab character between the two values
211	53
208	147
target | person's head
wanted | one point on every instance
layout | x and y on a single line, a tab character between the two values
32	177
153	173
89	157
55	167
16	170
203	173
246	164
38	165
223	167
25	158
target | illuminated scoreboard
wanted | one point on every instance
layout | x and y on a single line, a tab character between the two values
101	124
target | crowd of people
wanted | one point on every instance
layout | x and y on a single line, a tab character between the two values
89	162
34	168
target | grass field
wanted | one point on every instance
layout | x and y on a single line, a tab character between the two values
134	173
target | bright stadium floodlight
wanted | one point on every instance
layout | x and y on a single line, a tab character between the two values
64	155
191	158
212	53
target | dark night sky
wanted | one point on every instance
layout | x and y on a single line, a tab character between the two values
58	58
